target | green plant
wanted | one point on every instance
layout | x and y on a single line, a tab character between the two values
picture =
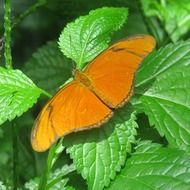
125	153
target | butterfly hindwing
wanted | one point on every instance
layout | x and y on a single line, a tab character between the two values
73	108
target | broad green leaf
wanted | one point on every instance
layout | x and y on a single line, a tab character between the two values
163	83
167	104
174	15
160	62
153	167
57	180
157	63
17	94
89	35
99	153
48	68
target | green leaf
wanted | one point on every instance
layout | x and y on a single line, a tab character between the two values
176	25
17	94
163	83
155	64
56	181
99	153
48	68
154	167
160	62
89	35
168	106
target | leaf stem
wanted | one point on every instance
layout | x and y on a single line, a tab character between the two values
15	156
7	34
46	93
8	64
28	11
80	63
53	155
55	181
44	178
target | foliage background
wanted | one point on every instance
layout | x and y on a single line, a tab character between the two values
43	25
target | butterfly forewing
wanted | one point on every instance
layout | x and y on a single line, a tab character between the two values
112	72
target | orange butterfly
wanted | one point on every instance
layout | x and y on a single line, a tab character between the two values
89	100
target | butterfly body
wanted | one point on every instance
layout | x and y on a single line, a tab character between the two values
89	100
83	78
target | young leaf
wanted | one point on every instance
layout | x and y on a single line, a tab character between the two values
165	77
48	68
154	167
176	25
89	35
57	180
17	94
99	153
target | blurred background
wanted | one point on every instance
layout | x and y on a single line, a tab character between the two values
48	20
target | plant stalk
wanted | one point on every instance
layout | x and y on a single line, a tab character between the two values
7	34
44	178
15	157
28	11
53	155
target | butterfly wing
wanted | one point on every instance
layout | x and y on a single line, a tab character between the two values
112	72
73	108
